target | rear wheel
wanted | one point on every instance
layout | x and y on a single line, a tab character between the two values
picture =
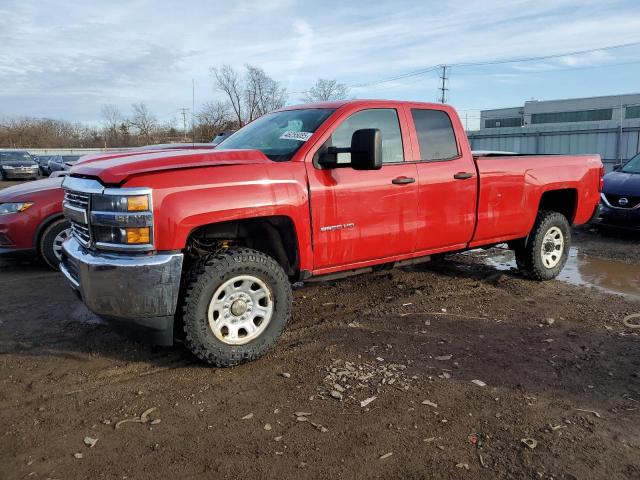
544	253
51	242
237	303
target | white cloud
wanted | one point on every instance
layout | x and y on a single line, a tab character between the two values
65	59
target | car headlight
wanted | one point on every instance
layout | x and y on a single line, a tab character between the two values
8	167
122	221
6	208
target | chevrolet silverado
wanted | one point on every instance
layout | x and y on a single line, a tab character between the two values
206	244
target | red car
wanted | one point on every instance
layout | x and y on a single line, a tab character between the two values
215	238
31	220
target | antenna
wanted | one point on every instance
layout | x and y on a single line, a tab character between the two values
193	110
443	89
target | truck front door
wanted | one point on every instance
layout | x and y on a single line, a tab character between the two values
360	216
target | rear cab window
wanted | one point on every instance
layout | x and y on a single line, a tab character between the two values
436	137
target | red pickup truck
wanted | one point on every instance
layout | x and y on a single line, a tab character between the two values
209	242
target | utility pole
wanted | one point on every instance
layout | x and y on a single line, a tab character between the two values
184	122
443	89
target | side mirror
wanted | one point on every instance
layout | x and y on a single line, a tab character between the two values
617	167
366	149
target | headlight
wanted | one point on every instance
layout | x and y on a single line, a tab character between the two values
122	221
120	203
8	167
6	208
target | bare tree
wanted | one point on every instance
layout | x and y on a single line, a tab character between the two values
46	133
251	96
214	115
228	81
263	93
143	121
111	120
326	90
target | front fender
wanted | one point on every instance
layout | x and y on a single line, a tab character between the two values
192	198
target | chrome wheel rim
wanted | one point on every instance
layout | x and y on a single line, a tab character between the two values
57	243
240	310
552	247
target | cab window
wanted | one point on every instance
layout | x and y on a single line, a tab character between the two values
435	135
384	119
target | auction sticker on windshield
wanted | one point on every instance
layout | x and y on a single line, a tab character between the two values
300	136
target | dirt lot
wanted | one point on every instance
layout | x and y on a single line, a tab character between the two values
410	342
404	337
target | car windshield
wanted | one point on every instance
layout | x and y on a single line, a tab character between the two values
16	157
278	135
70	158
633	165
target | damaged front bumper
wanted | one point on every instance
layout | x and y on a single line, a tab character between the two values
136	290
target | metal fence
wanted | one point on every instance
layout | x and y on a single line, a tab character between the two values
613	142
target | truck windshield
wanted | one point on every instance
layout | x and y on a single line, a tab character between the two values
278	135
633	165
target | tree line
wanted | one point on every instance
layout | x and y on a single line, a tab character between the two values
244	96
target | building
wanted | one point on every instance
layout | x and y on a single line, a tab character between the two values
608	125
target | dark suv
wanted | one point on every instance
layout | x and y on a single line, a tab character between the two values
18	164
621	195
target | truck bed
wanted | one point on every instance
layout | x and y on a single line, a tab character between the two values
511	187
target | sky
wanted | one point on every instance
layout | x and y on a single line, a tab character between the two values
66	59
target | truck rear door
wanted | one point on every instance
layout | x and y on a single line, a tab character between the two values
448	183
359	216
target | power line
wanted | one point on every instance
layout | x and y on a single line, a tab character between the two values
492	62
398	77
553	69
545	57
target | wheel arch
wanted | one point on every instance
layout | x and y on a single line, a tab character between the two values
44	224
561	200
274	235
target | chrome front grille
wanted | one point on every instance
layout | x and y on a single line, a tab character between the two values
77	199
81	232
76	206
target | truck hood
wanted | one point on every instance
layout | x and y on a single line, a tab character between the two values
22	191
116	169
620	183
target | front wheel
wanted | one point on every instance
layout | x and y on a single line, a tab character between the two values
51	242
544	253
236	305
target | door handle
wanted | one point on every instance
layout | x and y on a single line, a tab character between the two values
463	175
403	180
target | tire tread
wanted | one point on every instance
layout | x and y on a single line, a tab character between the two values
207	268
527	258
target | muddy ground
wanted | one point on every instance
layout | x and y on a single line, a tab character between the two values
560	371
569	386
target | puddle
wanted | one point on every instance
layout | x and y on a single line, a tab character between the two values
583	270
